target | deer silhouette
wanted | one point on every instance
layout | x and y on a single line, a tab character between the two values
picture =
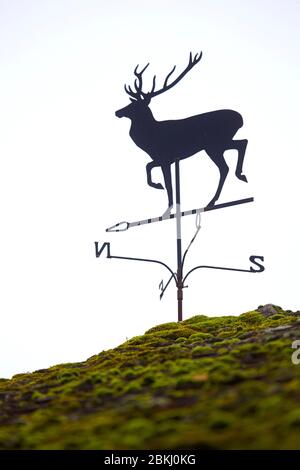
166	141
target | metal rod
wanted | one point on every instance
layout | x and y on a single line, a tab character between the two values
218	267
147	261
189	245
123	226
179	253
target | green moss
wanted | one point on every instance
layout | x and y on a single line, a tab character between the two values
195	320
207	383
293	419
221	421
181	339
278	316
228	342
165	326
200	336
253	318
177	333
199	351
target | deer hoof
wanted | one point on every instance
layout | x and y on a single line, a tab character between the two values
158	186
242	178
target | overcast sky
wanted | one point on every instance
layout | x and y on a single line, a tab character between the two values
69	168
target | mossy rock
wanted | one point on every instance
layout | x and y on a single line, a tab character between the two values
208	383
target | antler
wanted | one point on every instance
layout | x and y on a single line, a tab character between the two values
138	84
138	94
192	61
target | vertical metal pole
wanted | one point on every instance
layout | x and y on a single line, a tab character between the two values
178	230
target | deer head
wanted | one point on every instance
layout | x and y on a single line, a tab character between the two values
141	100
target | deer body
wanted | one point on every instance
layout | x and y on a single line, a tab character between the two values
166	141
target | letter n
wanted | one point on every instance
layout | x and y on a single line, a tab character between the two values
98	250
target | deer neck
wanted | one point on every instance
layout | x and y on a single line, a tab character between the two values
142	125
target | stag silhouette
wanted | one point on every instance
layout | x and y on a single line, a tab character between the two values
166	141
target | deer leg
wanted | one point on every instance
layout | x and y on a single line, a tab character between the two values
240	146
219	160
166	169
149	167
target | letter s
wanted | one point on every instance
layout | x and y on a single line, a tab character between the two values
253	259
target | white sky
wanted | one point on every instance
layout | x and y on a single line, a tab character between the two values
69	168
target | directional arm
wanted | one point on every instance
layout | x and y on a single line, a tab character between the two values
252	259
147	260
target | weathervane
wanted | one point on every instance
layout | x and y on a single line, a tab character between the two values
168	142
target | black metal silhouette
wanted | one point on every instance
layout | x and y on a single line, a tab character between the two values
167	141
253	259
171	141
178	276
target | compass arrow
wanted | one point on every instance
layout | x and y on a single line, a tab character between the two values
123	226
